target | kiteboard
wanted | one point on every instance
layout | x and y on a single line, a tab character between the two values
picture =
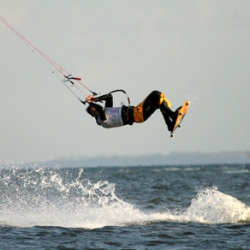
181	114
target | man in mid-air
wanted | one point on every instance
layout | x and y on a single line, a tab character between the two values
111	117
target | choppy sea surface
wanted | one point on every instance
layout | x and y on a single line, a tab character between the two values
157	207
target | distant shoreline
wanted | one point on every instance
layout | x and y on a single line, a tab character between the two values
175	158
171	159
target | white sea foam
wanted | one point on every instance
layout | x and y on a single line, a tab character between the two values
42	198
213	206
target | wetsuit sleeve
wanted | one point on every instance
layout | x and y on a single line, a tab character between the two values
108	100
100	109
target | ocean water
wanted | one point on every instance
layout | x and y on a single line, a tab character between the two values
157	207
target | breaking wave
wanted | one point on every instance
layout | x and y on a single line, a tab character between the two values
66	198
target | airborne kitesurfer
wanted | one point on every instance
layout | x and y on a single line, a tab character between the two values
110	117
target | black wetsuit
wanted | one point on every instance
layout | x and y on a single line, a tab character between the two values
141	112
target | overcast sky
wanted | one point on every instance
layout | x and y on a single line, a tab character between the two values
196	50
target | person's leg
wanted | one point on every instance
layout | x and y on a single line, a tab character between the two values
157	100
168	115
152	102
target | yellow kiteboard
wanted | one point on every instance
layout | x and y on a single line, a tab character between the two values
181	114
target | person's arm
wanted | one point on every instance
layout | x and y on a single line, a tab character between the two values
108	98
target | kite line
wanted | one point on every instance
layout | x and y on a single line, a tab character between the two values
65	75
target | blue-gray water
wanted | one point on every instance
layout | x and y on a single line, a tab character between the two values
158	207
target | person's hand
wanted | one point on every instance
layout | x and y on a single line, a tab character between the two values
90	98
